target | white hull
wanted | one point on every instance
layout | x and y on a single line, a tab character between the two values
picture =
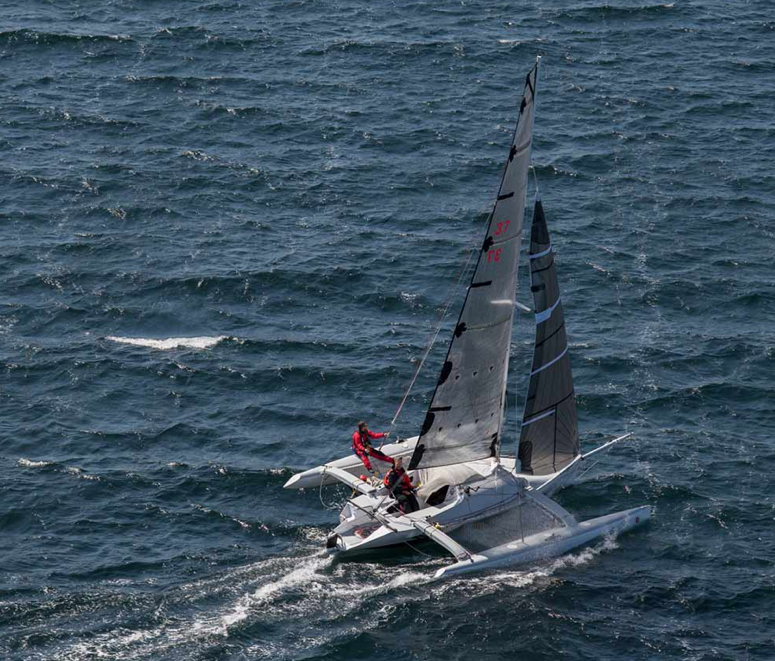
549	543
366	525
366	522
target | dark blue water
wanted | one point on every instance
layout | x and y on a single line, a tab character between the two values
296	185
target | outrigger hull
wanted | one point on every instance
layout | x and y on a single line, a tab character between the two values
319	476
550	543
314	477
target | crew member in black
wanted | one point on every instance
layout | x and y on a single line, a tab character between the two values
400	484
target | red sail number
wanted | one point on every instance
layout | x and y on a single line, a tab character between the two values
494	255
502	227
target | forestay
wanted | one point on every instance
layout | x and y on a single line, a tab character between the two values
465	415
549	440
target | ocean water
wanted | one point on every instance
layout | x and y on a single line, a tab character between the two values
227	230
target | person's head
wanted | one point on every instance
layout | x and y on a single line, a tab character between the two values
362	425
399	462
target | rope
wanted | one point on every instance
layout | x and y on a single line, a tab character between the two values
586	471
416	550
432	339
333	506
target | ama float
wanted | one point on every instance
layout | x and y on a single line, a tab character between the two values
488	510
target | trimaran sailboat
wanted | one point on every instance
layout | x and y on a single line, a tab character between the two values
488	509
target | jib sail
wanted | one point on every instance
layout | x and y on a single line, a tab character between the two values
549	440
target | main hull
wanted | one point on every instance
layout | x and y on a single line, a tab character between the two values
366	525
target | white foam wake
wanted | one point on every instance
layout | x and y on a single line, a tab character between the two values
28	463
170	342
316	601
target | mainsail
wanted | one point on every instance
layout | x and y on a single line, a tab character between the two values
463	421
549	439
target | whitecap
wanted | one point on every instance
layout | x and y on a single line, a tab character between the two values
70	470
170	342
27	463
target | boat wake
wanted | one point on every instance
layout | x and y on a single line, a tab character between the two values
301	594
292	605
170	342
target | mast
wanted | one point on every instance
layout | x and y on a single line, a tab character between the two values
549	438
464	419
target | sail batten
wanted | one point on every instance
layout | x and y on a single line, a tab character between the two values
549	435
463	421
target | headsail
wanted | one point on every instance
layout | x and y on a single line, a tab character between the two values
549	439
464	419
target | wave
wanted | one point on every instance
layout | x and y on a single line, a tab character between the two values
50	38
28	463
202	342
61	468
618	12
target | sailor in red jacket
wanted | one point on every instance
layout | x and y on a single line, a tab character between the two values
400	485
362	446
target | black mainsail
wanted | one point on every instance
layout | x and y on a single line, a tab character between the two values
464	419
549	440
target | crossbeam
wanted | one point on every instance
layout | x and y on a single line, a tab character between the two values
442	539
350	480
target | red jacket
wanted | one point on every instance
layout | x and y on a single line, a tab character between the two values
402	478
360	443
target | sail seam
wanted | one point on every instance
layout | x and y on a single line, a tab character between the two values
546	268
549	337
539	417
453	447
542	316
497	323
506	240
523	147
555	405
538	255
551	362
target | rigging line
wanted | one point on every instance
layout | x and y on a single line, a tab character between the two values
535	178
416	550
586	471
433	337
535	113
333	506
